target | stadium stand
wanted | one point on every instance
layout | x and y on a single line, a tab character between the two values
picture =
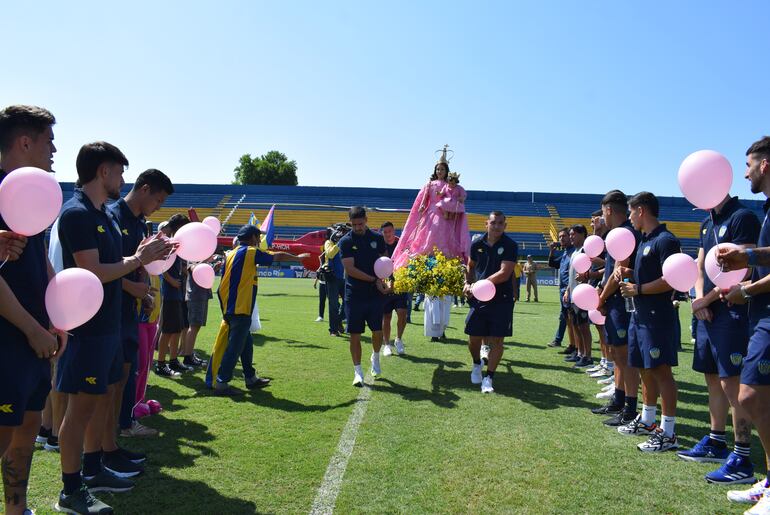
533	218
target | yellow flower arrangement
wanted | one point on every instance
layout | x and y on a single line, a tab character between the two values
434	275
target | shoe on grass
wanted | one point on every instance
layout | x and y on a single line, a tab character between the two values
476	374
704	452
42	435
106	481
52	444
387	350
749	495
659	442
608	409
736	470
400	347
138	430
319	319
358	380
486	385
620	419
607	380
164	370
637	427
121	466
136	457
253	383
81	503
554	343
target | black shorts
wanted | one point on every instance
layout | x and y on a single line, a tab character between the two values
90	364
130	349
25	381
490	319
363	311
174	316
394	302
617	322
577	315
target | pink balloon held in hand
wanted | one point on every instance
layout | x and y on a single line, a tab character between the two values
160	266
197	242
593	246
620	243
203	275
30	200
723	280
680	271
581	263
212	222
705	178
596	317
585	297
72	298
484	290
383	267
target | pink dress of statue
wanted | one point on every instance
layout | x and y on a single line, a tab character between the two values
437	219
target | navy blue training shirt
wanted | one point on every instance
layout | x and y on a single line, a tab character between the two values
132	232
562	263
648	265
84	227
27	277
168	292
365	250
489	259
759	305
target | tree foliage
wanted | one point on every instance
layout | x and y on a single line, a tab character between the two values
271	168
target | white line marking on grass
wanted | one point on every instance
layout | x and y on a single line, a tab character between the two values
326	497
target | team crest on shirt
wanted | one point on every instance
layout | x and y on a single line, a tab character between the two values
655	353
722	230
646	250
736	358
100	228
764	367
622	333
500	251
373	244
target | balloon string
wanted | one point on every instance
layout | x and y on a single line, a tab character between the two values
4	262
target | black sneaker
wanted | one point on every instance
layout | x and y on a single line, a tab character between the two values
42	435
257	382
572	358
106	481
52	444
620	419
164	370
121	466
134	457
607	409
81	502
554	344
584	362
568	350
201	362
176	366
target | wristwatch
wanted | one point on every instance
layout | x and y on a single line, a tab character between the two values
746	295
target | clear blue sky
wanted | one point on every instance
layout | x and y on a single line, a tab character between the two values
545	96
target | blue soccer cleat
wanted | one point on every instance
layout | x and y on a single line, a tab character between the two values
702	452
735	471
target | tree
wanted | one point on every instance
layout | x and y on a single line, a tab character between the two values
271	168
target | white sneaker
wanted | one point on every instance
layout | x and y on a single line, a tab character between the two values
749	496
762	507
484	353
594	368
400	347
610	386
607	380
476	374
659	442
319	319
358	380
486	385
602	372
606	395
376	371
387	350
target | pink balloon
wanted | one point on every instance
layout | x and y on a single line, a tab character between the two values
585	297
141	410
212	222
161	265
155	406
484	290
197	242
723	280
680	271
203	275
596	317
581	263
383	267
30	200
73	297
620	243
705	178
593	246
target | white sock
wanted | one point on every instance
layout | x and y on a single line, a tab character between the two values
648	414
667	425
358	370
375	357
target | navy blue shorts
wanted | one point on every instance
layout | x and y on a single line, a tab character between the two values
720	345
131	349
650	346
756	366
617	322
577	315
363	311
394	302
490	319
25	381
90	364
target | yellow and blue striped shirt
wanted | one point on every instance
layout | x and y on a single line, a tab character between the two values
238	288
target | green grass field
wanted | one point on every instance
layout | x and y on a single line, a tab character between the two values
429	441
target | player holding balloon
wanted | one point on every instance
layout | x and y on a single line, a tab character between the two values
489	321
721	342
